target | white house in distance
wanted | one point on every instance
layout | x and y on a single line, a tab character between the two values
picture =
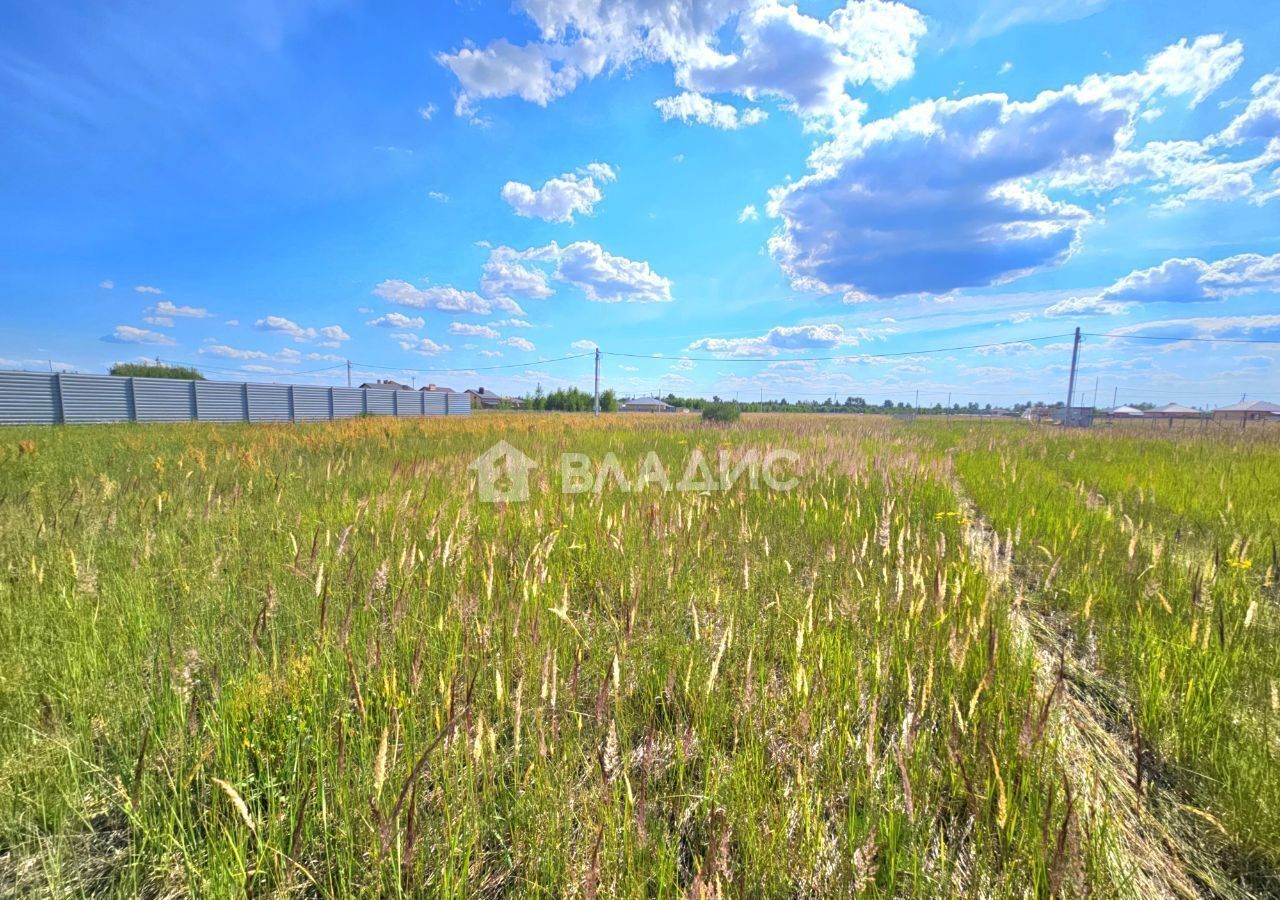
647	404
1176	411
1248	411
1126	412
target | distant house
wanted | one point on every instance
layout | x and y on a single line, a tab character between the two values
1175	411
387	385
434	388
647	404
482	399
1248	411
1126	412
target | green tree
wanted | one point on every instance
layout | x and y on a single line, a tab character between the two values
155	370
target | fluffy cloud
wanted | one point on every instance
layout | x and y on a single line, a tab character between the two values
749	213
468	330
397	320
148	289
286	326
561	197
165	309
1265	326
503	276
1181	171
420	345
519	343
445	298
584	345
602	276
226	352
333	334
1179	281
808	62
128	334
796	338
692	108
778	51
865	222
1261	117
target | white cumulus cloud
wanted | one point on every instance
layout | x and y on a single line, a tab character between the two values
1187	280
128	334
693	108
865	222
397	320
445	298
562	197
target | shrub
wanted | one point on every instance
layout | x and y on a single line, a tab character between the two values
155	370
721	412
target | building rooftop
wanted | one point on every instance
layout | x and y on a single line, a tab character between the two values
1251	406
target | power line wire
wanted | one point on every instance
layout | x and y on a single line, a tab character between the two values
1175	340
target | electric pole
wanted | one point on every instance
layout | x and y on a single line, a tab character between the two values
1071	381
597	402
348	373
1115	396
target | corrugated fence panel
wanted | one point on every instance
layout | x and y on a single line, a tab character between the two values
28	397
218	401
39	399
347	402
408	403
162	400
310	402
434	403
268	403
380	402
94	398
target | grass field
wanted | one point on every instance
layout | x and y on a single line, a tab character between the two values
954	660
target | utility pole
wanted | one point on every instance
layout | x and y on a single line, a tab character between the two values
1096	379
348	373
948	403
1115	396
917	401
597	402
1071	381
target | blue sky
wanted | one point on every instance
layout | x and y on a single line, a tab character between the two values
733	191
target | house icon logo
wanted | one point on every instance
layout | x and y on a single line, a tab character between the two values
502	474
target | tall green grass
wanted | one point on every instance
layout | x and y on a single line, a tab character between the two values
305	659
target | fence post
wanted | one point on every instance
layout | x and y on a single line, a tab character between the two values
395	403
132	395
422	403
195	402
62	410
248	413
292	417
332	410
364	401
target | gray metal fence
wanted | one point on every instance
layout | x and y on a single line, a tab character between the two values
35	398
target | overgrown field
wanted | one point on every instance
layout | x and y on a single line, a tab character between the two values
953	660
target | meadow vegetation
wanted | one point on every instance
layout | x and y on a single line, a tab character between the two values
954	660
